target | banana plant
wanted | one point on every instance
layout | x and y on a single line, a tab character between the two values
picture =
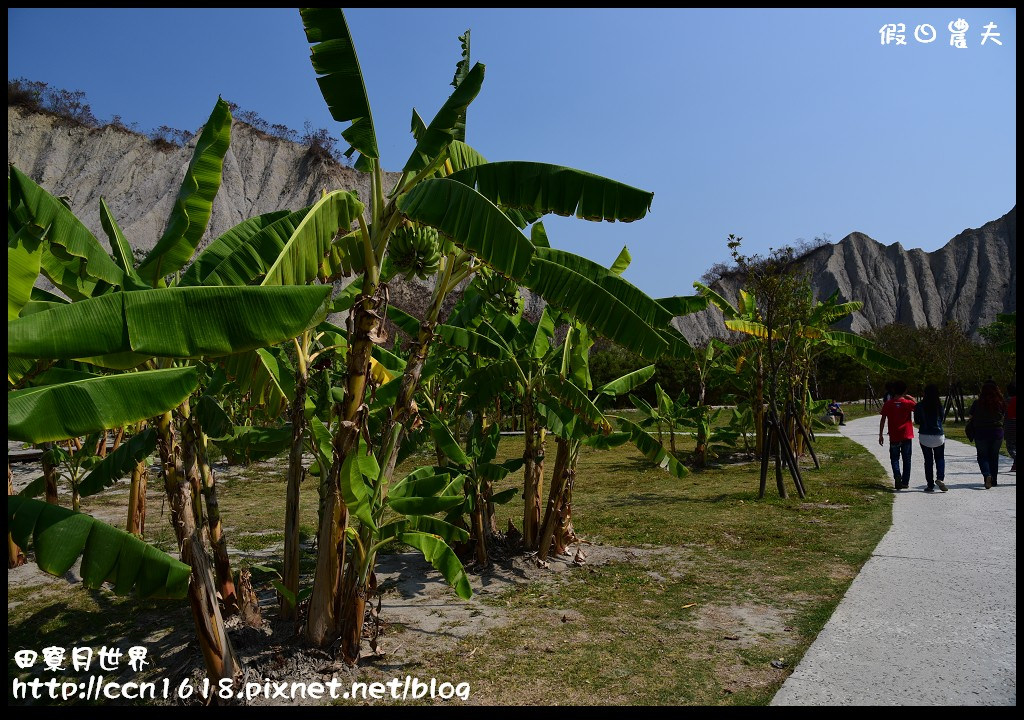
130	328
668	416
476	464
479	208
405	513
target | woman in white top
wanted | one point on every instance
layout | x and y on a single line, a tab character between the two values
928	414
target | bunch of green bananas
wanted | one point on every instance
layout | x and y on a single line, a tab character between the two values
500	291
415	250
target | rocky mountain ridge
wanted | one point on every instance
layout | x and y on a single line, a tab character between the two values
969	281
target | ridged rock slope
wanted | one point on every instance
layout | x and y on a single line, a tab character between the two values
968	281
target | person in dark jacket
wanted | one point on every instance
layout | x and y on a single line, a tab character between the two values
1010	425
928	415
987	413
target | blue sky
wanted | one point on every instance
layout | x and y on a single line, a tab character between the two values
774	125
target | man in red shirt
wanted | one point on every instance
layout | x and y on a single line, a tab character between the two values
899	412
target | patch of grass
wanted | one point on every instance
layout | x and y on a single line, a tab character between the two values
634	639
726	583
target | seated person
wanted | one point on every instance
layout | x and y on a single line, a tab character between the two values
835	409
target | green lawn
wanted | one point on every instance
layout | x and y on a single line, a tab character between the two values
707	585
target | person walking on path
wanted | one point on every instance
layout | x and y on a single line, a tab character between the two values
898	411
987	413
928	414
1010	426
931	617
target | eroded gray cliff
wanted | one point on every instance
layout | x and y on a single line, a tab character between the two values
968	281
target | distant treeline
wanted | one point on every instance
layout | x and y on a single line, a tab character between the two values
71	106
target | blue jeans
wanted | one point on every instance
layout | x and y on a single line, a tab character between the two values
896	450
988	456
939	456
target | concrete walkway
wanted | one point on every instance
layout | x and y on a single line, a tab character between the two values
932	617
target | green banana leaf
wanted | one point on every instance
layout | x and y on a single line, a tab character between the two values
870	358
212	418
718	301
446	441
435	526
749	327
462	156
606	442
248	443
652	449
59	412
122	250
683	304
424	505
472	222
577	401
592	305
622	261
423	523
405	322
293	245
461	71
633	297
441	131
194	203
505	495
223	246
417	126
259	373
422	482
472	342
24	252
72	247
187	322
118	463
341	83
60	536
628	382
301	257
358	496
34	488
438	554
545	188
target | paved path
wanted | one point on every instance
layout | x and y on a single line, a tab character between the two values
932	617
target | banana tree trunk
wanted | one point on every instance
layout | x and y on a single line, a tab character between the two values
15	557
295	473
565	534
137	500
218	654
490	522
533	455
354	592
559	481
353	612
322	625
190	461
221	560
479	530
50	473
758	405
